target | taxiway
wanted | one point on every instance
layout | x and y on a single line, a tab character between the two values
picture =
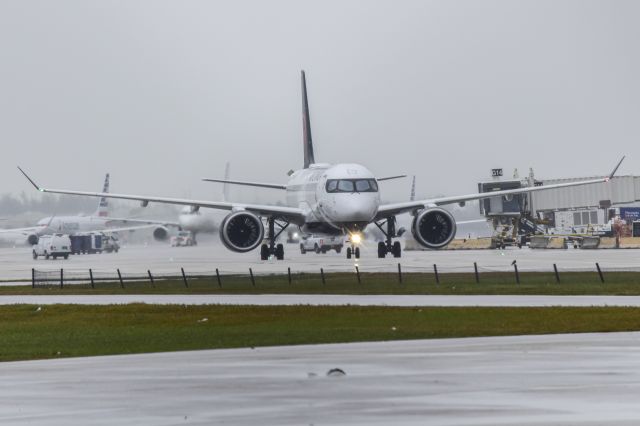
586	379
327	300
16	263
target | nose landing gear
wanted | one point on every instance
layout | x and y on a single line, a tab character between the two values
389	246
271	248
355	251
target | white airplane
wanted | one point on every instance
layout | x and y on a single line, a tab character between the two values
100	221
328	199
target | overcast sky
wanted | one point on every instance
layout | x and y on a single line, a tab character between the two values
163	93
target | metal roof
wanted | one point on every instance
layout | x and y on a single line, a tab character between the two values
619	190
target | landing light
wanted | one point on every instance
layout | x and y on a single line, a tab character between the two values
356	238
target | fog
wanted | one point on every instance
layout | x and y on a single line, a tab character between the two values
163	93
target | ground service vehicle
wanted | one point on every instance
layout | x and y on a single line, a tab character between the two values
321	244
55	245
183	238
110	244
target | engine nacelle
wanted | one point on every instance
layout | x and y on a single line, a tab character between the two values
241	231
160	233
32	239
434	228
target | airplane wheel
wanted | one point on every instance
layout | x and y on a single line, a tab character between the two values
357	252
280	252
302	250
35	256
382	250
264	252
396	249
323	250
316	248
348	252
66	256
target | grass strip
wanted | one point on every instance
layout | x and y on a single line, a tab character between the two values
491	283
32	332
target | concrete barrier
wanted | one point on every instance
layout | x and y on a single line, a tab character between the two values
458	244
546	242
630	242
625	243
607	243
590	243
557	243
538	242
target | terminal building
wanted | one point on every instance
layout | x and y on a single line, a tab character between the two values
588	209
589	204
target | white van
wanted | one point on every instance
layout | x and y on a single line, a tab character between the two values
53	245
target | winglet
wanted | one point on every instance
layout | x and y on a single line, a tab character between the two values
31	180
616	168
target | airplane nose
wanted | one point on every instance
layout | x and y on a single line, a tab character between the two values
355	208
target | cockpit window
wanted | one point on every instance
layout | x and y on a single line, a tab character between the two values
352	185
363	186
345	185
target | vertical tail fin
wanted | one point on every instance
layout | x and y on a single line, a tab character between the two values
103	206
413	189
306	125
225	186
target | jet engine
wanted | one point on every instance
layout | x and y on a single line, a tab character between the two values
160	233
241	231
32	239
434	228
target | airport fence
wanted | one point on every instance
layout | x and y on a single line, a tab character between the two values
61	277
92	278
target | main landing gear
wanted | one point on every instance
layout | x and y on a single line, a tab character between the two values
271	248
389	246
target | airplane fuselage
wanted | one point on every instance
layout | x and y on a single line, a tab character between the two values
70	225
197	221
335	198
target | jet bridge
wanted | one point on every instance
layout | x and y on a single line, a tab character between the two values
510	216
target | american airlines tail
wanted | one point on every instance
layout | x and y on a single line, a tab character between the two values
103	206
306	126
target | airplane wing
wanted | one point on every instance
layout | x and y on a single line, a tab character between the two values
19	230
390	177
125	220
291	213
392	209
242	182
118	229
465	222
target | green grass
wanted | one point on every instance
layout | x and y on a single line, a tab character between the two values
72	330
572	283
